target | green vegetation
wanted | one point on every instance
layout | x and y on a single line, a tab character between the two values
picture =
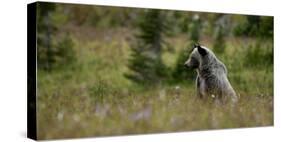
180	71
53	51
146	62
90	95
255	26
219	45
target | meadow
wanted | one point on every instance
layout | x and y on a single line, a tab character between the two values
91	97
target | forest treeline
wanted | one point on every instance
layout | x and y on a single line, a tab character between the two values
151	28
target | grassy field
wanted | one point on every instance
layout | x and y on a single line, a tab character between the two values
93	98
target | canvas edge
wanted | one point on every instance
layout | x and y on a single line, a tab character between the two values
31	71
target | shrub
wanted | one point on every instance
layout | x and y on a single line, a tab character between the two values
258	56
255	26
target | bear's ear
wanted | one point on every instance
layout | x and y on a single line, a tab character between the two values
195	45
201	50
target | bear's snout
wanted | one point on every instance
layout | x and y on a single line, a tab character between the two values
187	65
191	65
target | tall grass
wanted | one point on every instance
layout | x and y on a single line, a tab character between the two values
93	98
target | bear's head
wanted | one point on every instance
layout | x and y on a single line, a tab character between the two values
198	55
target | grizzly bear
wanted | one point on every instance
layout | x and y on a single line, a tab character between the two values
211	81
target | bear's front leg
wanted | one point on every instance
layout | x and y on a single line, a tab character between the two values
198	88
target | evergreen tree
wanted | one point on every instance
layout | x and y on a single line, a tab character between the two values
220	34
44	37
52	52
145	62
195	28
180	72
219	45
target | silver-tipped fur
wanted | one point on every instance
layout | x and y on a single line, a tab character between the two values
211	78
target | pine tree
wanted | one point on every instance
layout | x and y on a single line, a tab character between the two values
195	27
52	52
220	34
180	72
219	45
145	62
44	38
